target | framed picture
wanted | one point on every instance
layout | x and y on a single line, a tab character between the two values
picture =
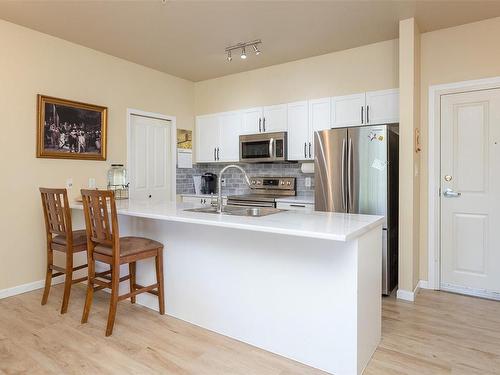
70	130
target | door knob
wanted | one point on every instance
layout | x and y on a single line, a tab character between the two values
449	193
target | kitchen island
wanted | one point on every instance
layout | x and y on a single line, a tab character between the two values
306	286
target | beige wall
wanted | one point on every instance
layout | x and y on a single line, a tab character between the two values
371	67
35	63
456	54
409	89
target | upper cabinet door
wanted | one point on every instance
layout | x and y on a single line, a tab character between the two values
207	137
320	118
348	110
251	121
275	118
382	107
320	114
229	139
298	131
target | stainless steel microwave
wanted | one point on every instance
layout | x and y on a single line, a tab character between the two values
263	147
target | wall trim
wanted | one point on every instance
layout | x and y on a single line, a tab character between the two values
173	138
24	288
434	166
481	293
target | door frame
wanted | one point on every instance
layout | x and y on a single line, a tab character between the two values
173	140
434	169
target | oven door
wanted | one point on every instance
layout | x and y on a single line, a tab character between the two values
265	147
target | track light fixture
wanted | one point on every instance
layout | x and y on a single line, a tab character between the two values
242	46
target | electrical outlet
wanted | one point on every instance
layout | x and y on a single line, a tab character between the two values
223	181
91	183
308	182
69	183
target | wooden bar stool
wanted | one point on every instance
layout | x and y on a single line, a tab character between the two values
60	237
105	245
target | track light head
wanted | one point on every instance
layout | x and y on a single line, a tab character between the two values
243	53
255	49
229	57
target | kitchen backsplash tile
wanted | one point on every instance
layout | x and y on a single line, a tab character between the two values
235	183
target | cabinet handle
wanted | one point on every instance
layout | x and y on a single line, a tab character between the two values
215	153
362	114
264	124
367	114
309	149
260	121
298	205
218	158
305	149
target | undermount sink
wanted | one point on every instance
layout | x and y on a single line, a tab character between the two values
238	211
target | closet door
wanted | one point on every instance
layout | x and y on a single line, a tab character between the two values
150	158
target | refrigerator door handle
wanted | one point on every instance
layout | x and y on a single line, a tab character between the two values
344	197
349	162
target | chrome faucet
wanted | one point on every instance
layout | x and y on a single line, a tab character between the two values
219	183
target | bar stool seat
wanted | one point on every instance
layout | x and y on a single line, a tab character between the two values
79	238
131	246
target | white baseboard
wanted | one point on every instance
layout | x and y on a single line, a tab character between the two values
14	291
407	295
446	287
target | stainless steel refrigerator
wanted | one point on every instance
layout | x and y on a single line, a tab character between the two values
356	171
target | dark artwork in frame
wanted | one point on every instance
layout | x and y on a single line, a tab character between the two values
70	130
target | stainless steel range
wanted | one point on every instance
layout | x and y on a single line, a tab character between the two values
265	191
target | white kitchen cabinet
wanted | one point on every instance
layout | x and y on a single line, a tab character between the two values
348	110
217	137
302	207
304	118
319	118
229	137
207	137
298	130
251	120
275	118
370	108
382	107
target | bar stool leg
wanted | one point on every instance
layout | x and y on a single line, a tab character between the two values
115	285
48	275
131	269
68	280
159	280
90	291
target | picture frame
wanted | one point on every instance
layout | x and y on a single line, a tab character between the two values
69	129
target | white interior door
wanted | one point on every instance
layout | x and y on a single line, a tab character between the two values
150	158
470	193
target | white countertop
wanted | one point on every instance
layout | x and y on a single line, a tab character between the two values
304	199
322	225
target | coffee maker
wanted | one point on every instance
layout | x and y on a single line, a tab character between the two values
208	183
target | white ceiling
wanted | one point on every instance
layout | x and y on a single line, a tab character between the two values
188	38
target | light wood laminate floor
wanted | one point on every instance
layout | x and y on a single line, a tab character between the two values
439	334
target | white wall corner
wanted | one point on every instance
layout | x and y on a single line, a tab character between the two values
24	288
423	284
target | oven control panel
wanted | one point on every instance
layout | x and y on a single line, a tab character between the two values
273	183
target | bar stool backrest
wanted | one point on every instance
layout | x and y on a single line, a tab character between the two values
101	220
56	213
